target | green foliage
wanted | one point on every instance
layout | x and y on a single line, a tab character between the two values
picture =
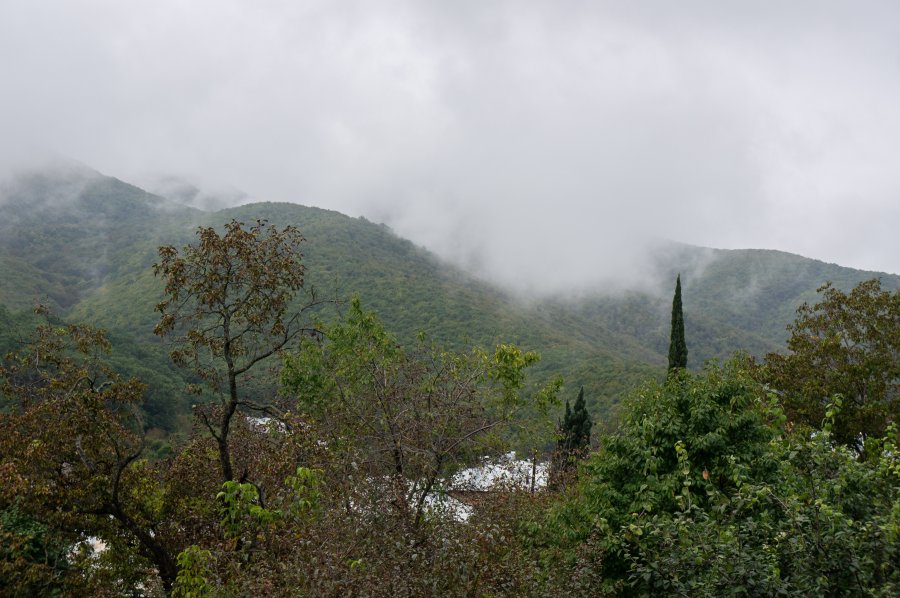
703	493
826	525
508	367
305	485
360	348
677	348
711	418
572	444
847	345
193	573
230	294
85	243
73	229
70	443
403	417
33	559
576	426
229	303
241	511
751	292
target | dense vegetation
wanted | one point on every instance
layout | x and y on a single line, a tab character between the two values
84	244
846	346
756	477
707	490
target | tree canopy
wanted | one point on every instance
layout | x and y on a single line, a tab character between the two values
71	440
402	416
711	483
704	492
231	298
848	346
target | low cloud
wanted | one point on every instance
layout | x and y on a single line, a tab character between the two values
543	145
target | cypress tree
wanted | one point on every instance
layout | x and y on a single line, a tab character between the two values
581	424
573	441
576	428
677	347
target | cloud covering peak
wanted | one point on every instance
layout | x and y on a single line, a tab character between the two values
541	143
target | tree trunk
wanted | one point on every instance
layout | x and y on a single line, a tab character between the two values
222	440
228	409
152	549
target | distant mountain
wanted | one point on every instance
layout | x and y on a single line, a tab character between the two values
187	192
86	242
65	233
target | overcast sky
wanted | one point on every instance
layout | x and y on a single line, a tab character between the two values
540	143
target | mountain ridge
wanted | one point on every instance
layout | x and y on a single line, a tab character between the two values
91	255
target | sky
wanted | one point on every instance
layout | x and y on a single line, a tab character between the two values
540	144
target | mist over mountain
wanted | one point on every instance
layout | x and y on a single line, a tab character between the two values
186	191
509	139
85	243
533	174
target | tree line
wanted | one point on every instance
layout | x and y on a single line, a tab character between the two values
771	477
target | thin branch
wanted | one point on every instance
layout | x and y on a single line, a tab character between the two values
84	458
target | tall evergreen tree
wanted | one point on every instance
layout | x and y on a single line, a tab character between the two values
575	431
677	347
564	427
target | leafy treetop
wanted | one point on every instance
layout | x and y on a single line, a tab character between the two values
407	415
847	344
232	295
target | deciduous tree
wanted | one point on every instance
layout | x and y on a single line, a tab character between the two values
399	419
847	344
71	444
230	298
704	491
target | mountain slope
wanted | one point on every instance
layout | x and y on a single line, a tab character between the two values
88	242
67	231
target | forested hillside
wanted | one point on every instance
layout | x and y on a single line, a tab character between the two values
85	243
383	466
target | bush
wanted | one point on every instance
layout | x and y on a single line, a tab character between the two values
704	492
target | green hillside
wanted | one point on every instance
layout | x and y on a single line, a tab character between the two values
65	234
86	243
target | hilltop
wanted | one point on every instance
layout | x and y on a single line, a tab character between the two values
85	243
